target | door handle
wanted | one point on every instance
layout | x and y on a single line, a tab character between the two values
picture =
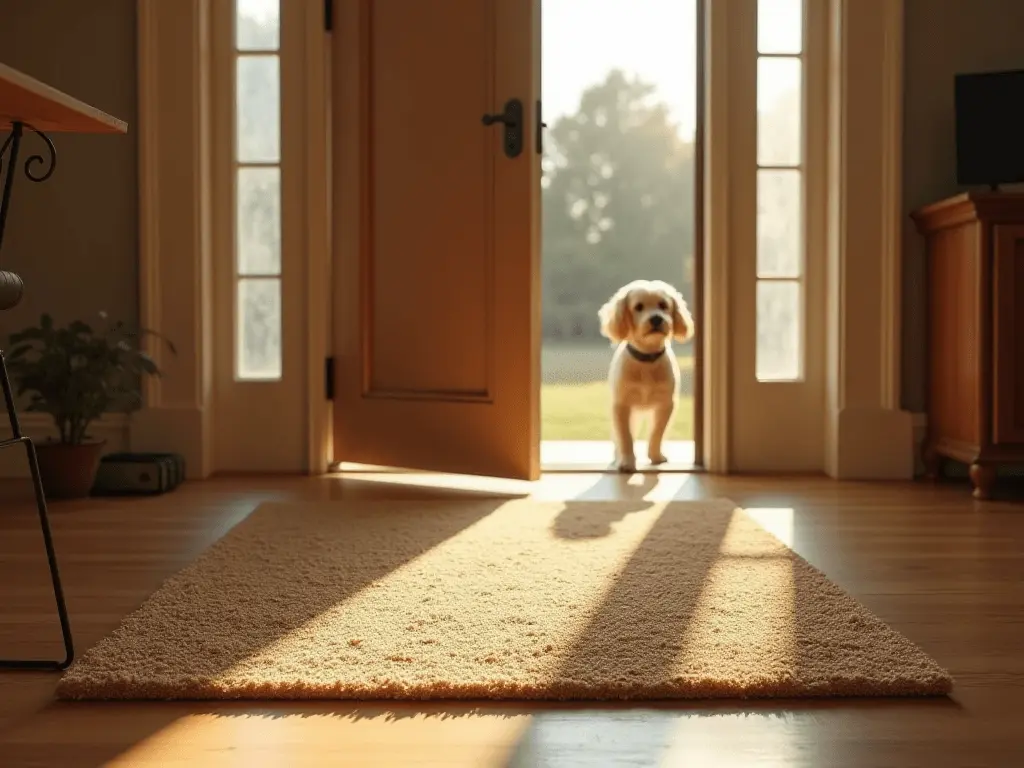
512	119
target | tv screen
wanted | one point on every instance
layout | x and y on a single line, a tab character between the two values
989	114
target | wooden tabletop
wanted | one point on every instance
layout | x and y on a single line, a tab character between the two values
25	99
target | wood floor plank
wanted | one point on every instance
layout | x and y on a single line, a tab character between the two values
943	569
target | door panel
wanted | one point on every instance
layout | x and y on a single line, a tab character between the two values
431	211
436	236
1008	334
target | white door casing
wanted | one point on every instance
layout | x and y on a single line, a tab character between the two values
859	92
259	400
776	121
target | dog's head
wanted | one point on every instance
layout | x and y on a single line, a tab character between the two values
646	313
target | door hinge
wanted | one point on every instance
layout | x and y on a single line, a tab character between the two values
328	15
329	378
541	125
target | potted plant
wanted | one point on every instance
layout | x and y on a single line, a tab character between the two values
77	374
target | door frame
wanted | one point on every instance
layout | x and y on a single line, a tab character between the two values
712	407
867	435
245	446
319	254
836	29
775	425
711	235
700	245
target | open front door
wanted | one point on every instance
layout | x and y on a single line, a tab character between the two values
436	232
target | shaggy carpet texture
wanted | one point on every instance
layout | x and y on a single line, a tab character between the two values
500	599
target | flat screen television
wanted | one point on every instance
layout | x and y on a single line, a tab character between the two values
989	115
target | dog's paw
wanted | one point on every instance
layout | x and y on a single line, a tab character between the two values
626	464
657	458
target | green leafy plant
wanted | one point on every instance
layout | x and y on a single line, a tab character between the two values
76	373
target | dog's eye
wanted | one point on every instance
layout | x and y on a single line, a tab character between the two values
663	306
639	307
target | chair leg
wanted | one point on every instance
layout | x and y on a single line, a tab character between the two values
44	522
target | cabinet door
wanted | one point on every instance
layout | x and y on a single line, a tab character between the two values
1008	334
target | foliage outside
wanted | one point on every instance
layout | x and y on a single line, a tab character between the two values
618	202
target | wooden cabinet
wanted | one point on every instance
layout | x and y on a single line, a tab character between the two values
975	267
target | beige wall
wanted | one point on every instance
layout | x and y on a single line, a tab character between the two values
74	238
943	37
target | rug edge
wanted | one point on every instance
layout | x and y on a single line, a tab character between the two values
940	686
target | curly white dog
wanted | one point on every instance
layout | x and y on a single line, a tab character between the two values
643	318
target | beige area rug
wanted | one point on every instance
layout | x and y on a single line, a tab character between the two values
513	599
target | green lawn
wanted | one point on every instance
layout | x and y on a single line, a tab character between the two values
581	412
574	397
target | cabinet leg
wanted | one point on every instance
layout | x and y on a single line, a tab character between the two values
983	477
932	462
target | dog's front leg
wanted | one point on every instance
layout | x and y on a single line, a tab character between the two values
625	460
659	423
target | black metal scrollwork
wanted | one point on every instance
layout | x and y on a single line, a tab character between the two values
10	149
39	159
17	132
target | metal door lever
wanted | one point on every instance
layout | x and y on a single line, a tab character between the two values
512	119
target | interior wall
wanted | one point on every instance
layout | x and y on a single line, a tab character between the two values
74	238
942	38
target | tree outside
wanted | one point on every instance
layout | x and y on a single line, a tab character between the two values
618	202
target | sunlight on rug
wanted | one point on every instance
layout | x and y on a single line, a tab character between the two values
501	599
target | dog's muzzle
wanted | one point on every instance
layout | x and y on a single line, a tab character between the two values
658	324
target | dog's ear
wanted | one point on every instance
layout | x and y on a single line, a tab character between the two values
616	319
682	320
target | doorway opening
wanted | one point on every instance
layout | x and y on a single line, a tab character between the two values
622	193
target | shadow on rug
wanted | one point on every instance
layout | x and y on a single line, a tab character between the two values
501	599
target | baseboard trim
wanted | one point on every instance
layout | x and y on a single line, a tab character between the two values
874	444
113	427
868	440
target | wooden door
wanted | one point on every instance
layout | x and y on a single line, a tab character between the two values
436	236
1008	334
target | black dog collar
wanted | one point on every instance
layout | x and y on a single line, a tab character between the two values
644	357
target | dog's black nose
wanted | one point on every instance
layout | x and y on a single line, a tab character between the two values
656	321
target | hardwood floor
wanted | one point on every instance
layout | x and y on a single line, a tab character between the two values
945	570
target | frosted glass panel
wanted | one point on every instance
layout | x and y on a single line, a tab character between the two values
259	328
779	332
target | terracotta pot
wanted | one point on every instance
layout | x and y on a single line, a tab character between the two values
69	471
